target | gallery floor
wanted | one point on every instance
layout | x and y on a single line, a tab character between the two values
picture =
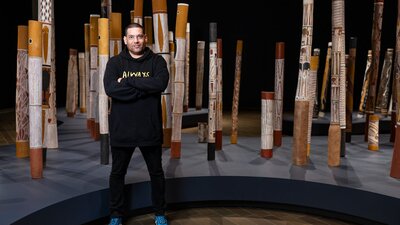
74	187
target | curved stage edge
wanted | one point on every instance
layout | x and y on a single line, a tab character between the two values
358	205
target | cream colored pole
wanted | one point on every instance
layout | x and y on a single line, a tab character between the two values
35	97
267	124
212	92
180	35
278	94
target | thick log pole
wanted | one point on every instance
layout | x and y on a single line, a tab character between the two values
89	106
314	61
212	91
325	81
376	47
148	29
301	108
35	97
267	124
82	86
219	110
172	65
161	46
199	74
179	82
115	34
138	11
94	76
22	95
104	48
395	166
382	99
71	101
46	16
338	68
373	133
187	69
236	90
351	68
364	90
278	95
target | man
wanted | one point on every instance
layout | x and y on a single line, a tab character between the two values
134	80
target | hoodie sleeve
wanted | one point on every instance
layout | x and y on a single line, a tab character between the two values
154	84
120	91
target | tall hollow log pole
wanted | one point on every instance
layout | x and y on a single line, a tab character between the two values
376	47
338	54
314	61
179	82
219	106
199	74
350	87
148	29
94	76
267	124
278	95
161	46
82	77
22	95
212	92
382	99
104	46
138	12
236	91
187	69
301	107
89	106
325	81
35	97
115	34
395	166
364	90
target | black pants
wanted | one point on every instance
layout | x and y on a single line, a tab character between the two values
121	156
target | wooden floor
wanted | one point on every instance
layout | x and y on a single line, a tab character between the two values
249	125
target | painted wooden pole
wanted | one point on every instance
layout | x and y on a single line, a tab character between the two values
382	99
187	69
71	101
161	46
219	103
373	132
94	76
106	8
82	79
376	47
46	16
148	29
316	52
267	124
132	15
336	129
202	132
87	72
179	82
22	95
115	34
325	81
314	61
138	11
395	166
364	90
236	90
278	94
199	74
212	92
35	97
350	87
301	108
104	47
172	65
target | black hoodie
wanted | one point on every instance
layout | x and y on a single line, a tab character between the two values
135	118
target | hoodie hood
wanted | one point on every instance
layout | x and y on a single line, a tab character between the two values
147	53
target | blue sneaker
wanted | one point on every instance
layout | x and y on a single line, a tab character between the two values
160	220
116	221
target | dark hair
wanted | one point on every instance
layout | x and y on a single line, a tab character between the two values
132	25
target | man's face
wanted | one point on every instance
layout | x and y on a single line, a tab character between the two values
135	40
